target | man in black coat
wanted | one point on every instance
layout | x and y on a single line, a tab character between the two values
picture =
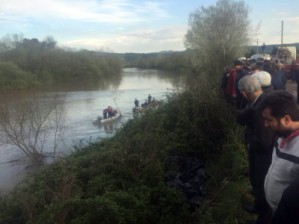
241	72
259	143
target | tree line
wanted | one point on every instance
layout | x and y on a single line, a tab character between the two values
31	62
169	61
216	36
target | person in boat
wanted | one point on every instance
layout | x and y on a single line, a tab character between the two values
105	112
136	102
149	98
111	112
115	112
144	104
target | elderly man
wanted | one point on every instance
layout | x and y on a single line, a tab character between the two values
259	143
281	114
265	80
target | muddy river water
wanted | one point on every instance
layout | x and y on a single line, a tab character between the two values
81	107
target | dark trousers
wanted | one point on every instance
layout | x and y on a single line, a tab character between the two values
240	102
288	208
259	162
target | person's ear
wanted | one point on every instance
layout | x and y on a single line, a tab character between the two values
286	119
243	93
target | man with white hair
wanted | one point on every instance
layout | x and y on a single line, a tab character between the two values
259	143
265	80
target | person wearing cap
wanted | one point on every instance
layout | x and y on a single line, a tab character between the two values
241	72
259	144
256	68
265	80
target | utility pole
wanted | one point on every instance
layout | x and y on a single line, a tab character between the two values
281	33
257	46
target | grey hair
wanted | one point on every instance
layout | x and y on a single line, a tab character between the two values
249	84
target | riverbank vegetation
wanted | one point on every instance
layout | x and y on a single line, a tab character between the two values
29	62
123	179
168	61
219	34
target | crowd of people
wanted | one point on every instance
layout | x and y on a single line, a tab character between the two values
270	115
276	79
148	101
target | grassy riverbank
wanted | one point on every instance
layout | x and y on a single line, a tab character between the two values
122	179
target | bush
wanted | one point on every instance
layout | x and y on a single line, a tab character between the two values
12	75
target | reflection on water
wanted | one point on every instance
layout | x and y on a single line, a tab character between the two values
108	128
83	104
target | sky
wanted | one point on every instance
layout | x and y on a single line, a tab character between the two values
136	26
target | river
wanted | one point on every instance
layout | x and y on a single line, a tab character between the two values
82	107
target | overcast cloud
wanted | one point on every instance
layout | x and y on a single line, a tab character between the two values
133	25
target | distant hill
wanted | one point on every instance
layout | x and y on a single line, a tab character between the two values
167	60
159	59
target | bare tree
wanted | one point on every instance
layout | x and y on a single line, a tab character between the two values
30	122
218	34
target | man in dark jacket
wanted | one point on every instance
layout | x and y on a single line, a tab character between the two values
259	143
241	72
295	72
279	78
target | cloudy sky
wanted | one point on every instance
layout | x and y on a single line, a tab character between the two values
139	26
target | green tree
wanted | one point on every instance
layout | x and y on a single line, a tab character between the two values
49	64
12	75
218	34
